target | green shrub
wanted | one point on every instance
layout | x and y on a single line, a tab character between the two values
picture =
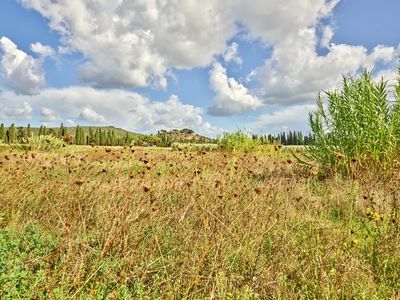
44	143
356	128
194	147
239	141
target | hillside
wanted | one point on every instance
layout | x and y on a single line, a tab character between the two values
119	132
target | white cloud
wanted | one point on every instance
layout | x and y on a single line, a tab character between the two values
285	118
134	43
327	35
20	71
277	21
231	97
42	50
21	112
296	73
232	54
88	114
128	110
48	115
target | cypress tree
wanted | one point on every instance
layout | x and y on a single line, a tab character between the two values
11	134
82	135
113	142
21	135
77	135
126	140
3	134
29	131
97	137
90	137
109	138
102	137
62	131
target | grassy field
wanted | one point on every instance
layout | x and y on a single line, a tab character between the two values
142	223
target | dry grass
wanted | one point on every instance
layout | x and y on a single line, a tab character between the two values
150	223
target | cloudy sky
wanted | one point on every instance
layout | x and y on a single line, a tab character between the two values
208	65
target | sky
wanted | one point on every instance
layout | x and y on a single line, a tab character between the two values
211	65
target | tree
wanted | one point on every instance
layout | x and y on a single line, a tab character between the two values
126	139
108	138
3	133
11	134
102	138
91	136
29	131
97	137
77	135
21	135
113	141
52	132
62	131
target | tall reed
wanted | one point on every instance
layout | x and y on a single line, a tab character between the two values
356	127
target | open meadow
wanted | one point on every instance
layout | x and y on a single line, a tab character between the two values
148	223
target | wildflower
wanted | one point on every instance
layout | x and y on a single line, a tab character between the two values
354	242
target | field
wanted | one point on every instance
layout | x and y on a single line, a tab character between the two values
149	223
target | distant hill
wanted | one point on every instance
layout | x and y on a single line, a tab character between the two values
112	136
119	132
184	136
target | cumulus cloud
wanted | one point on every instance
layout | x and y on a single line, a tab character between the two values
77	105
42	50
231	97
48	115
88	114
20	71
134	43
282	119
231	54
294	74
327	35
21	112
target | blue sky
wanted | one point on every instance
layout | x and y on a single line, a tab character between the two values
208	66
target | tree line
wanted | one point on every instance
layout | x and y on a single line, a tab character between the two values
97	136
290	138
107	137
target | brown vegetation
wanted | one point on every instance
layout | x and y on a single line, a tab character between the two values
168	224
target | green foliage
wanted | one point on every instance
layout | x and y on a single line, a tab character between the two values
356	127
239	141
28	131
3	133
79	136
62	131
24	259
44	143
194	147
11	135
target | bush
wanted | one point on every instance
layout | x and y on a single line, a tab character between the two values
44	143
194	147
238	141
356	128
